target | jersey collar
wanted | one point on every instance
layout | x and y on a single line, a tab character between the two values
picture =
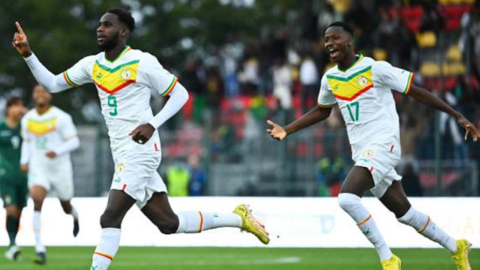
120	55
359	58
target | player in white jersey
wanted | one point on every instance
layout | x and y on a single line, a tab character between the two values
49	136
124	78
362	88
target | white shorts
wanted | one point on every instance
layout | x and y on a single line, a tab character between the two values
380	158
58	183
136	172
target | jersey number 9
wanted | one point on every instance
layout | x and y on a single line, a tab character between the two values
112	103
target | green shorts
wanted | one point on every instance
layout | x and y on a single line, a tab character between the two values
14	191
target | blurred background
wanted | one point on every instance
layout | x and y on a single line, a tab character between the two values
246	61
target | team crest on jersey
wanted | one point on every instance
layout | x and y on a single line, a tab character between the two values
126	74
362	81
120	168
368	153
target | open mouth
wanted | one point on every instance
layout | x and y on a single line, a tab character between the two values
333	53
100	39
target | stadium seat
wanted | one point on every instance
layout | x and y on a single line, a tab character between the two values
412	17
453	69
430	69
426	39
454	53
380	54
453	15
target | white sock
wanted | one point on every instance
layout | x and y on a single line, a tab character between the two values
351	204
39	247
195	222
426	227
106	249
74	213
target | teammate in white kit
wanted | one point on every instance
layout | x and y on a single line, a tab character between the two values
362	88
49	136
124	78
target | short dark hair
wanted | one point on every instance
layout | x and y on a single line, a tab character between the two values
14	100
124	16
346	27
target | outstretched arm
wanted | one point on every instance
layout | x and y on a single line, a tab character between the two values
53	83
427	98
314	116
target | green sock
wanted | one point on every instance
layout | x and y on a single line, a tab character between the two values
12	229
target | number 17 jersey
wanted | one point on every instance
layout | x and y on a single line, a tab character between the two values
363	93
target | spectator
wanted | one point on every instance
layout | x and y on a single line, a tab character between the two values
282	84
310	83
178	177
198	177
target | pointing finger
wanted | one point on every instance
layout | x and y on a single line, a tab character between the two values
20	30
270	122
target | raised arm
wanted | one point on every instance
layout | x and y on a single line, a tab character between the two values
314	116
53	83
427	98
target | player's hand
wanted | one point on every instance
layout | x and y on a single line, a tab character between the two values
142	133
51	154
24	168
277	132
470	128
20	42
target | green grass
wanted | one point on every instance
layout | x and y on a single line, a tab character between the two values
73	258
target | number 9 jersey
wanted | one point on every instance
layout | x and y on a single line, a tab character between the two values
124	86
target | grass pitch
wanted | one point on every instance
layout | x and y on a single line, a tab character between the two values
149	258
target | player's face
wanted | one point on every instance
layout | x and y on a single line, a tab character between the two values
40	96
338	43
17	110
108	32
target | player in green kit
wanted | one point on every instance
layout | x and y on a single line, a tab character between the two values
13	182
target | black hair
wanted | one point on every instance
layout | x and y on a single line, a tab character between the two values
124	16
13	101
346	27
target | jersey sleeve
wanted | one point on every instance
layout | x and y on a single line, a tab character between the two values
155	76
67	129
392	77
80	73
325	97
23	129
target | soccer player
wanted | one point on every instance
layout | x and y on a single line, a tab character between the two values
362	88
49	136
124	78
13	182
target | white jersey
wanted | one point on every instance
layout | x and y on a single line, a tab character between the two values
124	86
46	132
363	93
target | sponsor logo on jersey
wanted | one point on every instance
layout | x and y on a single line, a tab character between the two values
368	153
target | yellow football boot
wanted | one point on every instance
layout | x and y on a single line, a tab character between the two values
461	256
250	224
393	264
